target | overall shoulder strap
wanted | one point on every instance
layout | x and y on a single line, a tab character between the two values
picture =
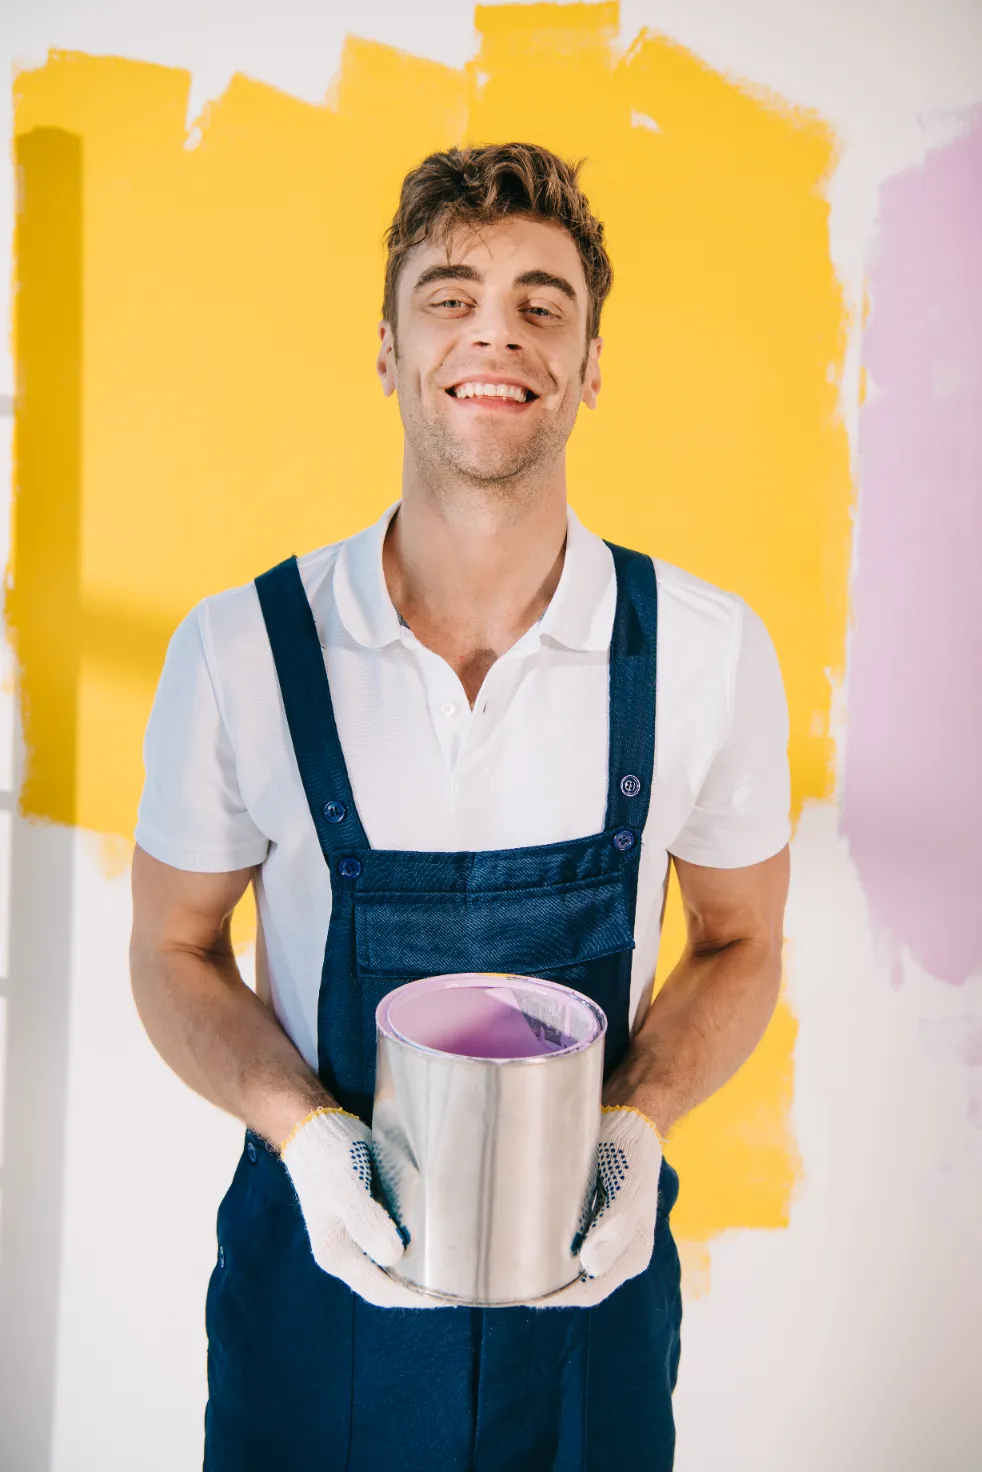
306	693
633	669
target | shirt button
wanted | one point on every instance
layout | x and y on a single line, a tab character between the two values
221	1255
630	785
623	840
449	708
349	868
251	1152
335	812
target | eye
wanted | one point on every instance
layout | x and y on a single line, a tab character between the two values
450	301
545	311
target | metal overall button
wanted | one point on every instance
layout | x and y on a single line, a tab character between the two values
351	868
623	840
335	812
630	785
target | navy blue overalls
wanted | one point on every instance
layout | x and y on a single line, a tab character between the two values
305	1376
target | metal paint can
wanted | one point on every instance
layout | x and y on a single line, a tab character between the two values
485	1129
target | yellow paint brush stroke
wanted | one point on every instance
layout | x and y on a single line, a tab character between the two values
228	412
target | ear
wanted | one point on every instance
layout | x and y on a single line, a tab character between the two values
386	360
591	375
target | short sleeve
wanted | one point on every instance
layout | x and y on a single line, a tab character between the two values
741	815
191	812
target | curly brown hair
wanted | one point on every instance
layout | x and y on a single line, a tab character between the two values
481	186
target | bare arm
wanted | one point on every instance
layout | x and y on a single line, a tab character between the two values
204	1021
712	1010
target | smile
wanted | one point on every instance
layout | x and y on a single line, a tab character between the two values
492	393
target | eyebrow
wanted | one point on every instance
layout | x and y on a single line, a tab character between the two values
469	273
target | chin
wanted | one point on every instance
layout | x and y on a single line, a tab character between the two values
487	468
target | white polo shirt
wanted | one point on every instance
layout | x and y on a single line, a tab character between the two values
528	765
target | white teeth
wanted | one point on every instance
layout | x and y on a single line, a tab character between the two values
491	391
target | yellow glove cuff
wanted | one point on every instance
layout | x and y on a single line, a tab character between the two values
630	1109
324	1109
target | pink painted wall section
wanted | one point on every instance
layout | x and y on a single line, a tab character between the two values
913	769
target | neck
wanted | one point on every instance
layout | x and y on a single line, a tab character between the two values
471	569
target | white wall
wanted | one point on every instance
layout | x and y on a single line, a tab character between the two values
853	1339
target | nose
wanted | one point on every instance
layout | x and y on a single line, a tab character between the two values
493	326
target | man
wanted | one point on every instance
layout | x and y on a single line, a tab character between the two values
456	708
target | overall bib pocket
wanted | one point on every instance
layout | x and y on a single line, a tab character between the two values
523	931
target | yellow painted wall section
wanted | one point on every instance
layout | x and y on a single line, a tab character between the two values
230	413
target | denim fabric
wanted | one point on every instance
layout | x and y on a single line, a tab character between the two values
302	1373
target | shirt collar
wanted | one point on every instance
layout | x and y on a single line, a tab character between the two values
580	614
360	592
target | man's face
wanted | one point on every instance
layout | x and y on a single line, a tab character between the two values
507	313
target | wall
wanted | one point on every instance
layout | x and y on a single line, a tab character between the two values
794	204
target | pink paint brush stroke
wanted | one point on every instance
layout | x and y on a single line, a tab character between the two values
913	769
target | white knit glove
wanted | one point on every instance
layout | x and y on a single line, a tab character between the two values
352	1236
621	1237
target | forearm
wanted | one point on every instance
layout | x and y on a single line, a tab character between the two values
703	1024
225	1043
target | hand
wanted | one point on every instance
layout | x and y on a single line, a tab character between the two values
352	1236
621	1237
